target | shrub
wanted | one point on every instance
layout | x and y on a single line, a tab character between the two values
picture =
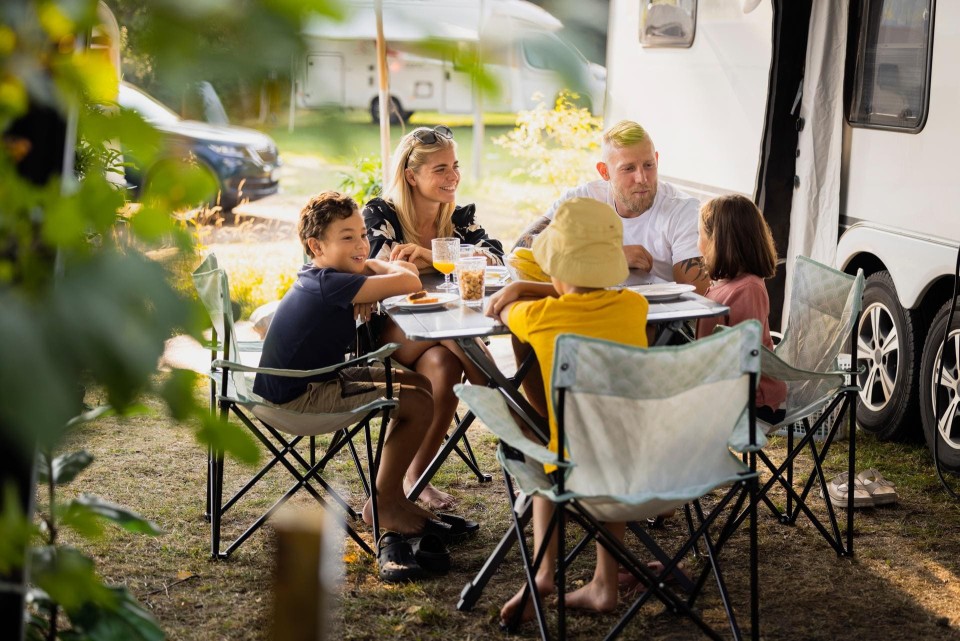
558	144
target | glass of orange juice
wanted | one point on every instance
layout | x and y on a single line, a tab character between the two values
446	253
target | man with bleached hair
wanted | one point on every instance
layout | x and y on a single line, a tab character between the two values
659	221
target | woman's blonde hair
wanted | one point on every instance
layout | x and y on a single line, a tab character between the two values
738	239
413	154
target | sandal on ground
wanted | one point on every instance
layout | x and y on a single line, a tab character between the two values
435	527
431	554
460	528
396	560
837	489
881	490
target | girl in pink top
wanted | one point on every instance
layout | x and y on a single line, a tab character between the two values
738	253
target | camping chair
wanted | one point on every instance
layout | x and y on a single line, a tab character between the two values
824	311
645	431
279	430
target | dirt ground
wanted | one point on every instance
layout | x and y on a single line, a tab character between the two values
902	584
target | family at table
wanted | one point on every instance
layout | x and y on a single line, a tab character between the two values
587	243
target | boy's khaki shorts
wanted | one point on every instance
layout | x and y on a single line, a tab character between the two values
353	387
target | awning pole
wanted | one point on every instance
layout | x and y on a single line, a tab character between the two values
383	77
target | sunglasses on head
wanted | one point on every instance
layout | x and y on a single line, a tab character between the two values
430	136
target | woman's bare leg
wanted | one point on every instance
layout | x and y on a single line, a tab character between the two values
404	436
443	370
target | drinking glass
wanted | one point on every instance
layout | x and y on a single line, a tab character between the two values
470	275
446	253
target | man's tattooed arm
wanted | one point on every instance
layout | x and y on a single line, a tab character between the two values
531	232
692	271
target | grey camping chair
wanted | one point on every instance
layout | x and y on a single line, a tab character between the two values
825	307
633	421
277	429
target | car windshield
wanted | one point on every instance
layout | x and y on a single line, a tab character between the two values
150	109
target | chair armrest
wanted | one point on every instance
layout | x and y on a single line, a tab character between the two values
773	366
379	355
490	408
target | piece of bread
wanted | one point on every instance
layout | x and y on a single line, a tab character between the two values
421	298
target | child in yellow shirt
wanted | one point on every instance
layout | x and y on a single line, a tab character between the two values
582	252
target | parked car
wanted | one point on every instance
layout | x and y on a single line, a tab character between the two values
244	161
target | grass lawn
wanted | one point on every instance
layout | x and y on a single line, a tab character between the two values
902	584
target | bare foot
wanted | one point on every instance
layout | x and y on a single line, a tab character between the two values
544	587
435	500
394	517
594	597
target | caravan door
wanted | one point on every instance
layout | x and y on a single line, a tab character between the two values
324	83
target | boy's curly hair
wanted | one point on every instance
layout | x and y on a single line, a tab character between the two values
319	212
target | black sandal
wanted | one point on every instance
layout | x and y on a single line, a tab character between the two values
396	559
460	528
430	552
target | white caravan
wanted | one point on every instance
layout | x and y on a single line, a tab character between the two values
429	43
838	118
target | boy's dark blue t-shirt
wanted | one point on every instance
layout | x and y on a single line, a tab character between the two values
313	327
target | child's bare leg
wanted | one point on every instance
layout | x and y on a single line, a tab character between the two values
600	595
542	513
404	435
443	370
532	383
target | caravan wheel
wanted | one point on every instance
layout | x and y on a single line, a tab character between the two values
397	114
889	350
945	425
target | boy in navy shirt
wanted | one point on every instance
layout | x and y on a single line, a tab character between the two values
314	327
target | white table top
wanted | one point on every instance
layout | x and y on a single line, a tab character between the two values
456	320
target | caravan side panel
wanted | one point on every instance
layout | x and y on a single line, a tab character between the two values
704	105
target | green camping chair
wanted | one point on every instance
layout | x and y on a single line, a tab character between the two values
644	431
824	310
278	429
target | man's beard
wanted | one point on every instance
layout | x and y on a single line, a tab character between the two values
637	203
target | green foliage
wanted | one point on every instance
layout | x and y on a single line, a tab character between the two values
82	304
559	145
364	182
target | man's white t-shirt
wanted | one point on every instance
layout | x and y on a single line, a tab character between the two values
668	229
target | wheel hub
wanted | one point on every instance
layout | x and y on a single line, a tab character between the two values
878	349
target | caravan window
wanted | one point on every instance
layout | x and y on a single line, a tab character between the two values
891	65
668	23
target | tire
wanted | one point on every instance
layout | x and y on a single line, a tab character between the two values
947	394
397	114
889	345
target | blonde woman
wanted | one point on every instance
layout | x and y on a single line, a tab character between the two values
418	206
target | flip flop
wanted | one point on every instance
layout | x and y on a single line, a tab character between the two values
882	491
431	554
396	560
838	486
460	528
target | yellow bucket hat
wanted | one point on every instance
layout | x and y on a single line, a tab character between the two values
583	246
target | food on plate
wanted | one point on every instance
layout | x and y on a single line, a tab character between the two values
421	298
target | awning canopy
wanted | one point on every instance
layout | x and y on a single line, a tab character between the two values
418	20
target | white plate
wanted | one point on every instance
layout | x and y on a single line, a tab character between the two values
496	277
660	292
401	302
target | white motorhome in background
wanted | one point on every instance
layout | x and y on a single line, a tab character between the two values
867	183
518	42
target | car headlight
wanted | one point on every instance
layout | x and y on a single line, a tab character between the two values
230	151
